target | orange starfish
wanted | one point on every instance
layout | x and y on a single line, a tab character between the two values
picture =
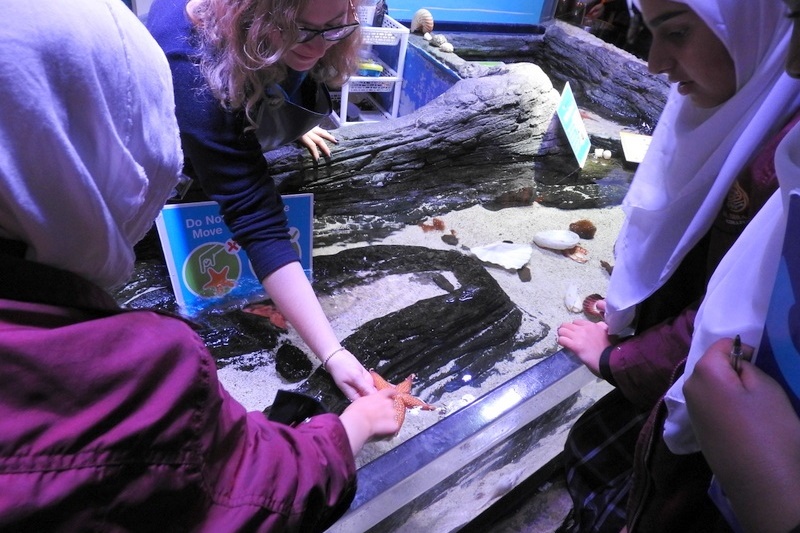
403	399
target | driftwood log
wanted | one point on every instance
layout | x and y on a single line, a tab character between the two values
484	137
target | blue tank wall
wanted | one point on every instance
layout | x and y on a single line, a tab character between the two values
424	79
458	14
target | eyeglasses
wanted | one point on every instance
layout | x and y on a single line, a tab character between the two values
337	33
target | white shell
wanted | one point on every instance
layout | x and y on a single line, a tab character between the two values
606	154
446	47
422	22
556	239
572	301
505	254
427	36
438	40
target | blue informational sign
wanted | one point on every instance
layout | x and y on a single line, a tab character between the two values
207	268
571	121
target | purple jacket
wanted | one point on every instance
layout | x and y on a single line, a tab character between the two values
115	420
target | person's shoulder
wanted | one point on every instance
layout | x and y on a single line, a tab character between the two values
169	25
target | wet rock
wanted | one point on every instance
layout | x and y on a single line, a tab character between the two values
292	363
450	239
444	340
227	333
519	198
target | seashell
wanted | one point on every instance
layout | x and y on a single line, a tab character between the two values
584	228
438	40
556	239
422	21
579	254
590	306
505	254
606	154
446	47
607	266
571	299
427	36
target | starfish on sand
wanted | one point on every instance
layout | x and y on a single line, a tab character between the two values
403	399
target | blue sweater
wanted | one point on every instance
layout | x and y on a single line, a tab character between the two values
226	160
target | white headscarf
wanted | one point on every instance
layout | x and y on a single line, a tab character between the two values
739	291
89	146
696	154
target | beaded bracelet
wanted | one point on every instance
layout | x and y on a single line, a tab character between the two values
337	350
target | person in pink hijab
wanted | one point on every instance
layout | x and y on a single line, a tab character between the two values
113	419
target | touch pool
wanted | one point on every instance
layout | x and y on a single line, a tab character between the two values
399	209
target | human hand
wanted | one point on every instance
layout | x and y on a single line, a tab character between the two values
587	340
314	141
369	417
350	375
749	433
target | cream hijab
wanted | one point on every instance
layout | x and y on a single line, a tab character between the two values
89	146
739	291
696	154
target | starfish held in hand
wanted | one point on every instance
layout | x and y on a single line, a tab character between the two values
403	399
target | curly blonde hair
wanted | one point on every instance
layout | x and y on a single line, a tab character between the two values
239	59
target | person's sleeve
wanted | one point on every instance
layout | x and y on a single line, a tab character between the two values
229	165
265	475
642	366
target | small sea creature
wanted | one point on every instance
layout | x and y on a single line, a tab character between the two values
446	47
436	224
268	311
422	21
505	254
607	266
571	299
590	306
583	228
556	239
438	40
403	399
579	254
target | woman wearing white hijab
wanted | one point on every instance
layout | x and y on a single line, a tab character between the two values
689	185
745	420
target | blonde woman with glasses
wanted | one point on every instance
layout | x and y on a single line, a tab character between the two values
250	76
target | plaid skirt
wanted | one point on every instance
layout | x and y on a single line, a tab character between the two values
598	463
620	472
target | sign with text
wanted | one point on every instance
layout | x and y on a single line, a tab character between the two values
573	125
207	268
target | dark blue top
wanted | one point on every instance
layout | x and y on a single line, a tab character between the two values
226	160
